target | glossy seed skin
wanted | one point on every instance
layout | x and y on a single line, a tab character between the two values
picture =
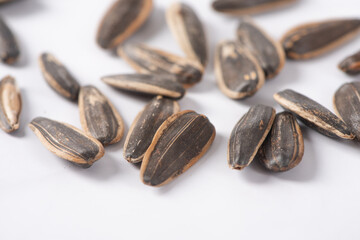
244	7
268	52
188	31
237	71
283	149
178	144
58	77
351	64
248	135
9	49
314	39
67	142
145	125
98	116
148	84
313	114
10	105
347	106
122	20
145	59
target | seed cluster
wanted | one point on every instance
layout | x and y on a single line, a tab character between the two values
167	140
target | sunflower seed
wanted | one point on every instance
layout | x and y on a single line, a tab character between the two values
178	144
351	65
237	71
9	49
147	84
98	116
122	20
283	148
347	106
188	31
265	49
248	135
145	59
313	114
239	7
67	142
145	125
314	39
58	77
10	104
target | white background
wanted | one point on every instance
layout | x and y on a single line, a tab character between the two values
44	197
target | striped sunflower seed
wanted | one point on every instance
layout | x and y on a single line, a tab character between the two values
351	64
9	49
58	77
244	7
313	114
188	31
10	104
122	20
248	135
315	39
347	106
147	84
178	144
238	73
268	52
67	142
145	125
98	116
145	59
283	148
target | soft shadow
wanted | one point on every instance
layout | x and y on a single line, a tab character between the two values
287	76
24	56
187	103
24	116
21	8
102	170
207	84
155	24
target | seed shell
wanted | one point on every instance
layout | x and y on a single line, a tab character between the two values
313	114
347	106
268	52
244	7
10	104
147	84
315	39
67	142
99	117
9	49
248	135
145	59
122	20
145	125
178	144
58	77
351	64
237	71
283	148
188	31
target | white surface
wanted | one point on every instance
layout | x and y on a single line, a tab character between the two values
44	197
